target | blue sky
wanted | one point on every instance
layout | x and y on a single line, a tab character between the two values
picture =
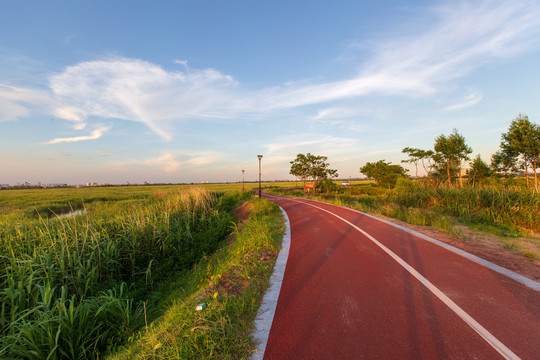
191	91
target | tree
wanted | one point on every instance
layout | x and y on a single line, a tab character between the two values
501	162
300	167
522	143
314	167
418	155
452	150
383	172
479	170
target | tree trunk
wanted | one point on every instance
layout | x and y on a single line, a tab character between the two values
448	171
459	174
535	175
527	174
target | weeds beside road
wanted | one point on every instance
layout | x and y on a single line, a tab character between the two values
80	286
512	215
231	282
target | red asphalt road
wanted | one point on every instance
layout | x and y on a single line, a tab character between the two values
343	297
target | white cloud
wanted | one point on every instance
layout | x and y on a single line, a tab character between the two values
181	62
456	39
95	134
290	146
203	158
16	102
468	101
335	113
10	110
137	90
463	37
166	161
170	162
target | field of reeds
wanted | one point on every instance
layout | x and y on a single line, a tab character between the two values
77	265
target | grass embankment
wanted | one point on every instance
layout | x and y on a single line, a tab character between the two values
512	214
76	287
231	283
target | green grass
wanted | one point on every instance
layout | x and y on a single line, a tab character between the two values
231	282
76	287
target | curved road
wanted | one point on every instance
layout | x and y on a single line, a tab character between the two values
357	288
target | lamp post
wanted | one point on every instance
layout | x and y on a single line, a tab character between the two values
243	180
260	157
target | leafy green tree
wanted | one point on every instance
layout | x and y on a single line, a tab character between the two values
314	167
522	143
452	151
383	172
479	170
300	167
502	162
417	156
327	185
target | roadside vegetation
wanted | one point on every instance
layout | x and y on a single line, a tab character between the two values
230	282
500	199
83	272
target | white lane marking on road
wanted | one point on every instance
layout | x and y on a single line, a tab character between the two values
483	332
499	269
494	267
265	315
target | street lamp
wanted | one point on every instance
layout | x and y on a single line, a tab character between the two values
243	180
260	157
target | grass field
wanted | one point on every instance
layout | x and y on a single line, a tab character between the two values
78	286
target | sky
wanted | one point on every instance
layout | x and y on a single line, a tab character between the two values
193	91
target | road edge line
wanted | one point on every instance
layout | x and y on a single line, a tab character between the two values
469	320
267	310
530	283
494	267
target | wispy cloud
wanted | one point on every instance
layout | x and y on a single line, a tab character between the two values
16	102
172	161
470	100
202	158
335	113
11	110
287	147
95	134
457	38
463	36
166	161
137	90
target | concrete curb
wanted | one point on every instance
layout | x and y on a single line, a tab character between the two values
265	315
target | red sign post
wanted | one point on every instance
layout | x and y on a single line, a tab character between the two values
309	186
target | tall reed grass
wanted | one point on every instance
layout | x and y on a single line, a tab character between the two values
507	207
68	286
231	282
425	203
